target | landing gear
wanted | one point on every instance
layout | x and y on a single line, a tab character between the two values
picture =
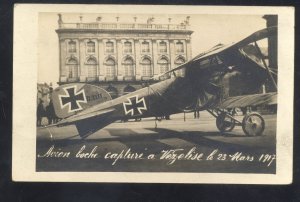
253	124
224	123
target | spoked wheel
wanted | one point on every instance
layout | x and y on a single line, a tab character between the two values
253	124
225	123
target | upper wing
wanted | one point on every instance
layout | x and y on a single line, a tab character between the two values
249	100
261	34
220	48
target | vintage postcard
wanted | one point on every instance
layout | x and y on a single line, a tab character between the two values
164	94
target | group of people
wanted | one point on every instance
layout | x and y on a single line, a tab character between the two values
47	112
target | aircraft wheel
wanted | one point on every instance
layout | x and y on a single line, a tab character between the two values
253	124
225	123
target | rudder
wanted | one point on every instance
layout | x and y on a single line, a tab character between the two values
69	99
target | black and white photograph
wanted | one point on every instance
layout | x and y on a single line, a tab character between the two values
192	95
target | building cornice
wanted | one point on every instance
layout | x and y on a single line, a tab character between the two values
123	31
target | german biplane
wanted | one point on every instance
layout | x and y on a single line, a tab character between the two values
202	83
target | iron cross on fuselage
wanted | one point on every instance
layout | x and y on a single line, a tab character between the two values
134	106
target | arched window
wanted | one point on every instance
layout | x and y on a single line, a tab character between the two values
178	62
128	67
110	66
145	47
146	66
129	89
91	65
179	47
163	65
162	47
90	47
112	91
109	47
72	67
72	47
127	47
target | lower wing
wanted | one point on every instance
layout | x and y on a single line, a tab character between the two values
249	100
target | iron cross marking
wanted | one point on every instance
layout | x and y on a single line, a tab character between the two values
72	99
134	106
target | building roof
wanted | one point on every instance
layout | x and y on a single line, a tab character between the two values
121	26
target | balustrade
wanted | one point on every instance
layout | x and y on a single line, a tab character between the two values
123	26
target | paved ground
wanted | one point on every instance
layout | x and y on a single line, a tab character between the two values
127	147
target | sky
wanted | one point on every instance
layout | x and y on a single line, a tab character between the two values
209	30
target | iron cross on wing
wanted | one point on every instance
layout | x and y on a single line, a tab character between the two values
134	106
72	99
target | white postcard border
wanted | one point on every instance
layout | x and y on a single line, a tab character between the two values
24	92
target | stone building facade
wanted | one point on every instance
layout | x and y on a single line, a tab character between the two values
120	57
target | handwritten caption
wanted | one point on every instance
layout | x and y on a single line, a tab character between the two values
170	156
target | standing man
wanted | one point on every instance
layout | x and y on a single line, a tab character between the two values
196	113
196	110
40	112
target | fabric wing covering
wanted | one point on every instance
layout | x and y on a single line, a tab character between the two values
250	100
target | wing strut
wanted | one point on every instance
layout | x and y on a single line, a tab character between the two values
266	66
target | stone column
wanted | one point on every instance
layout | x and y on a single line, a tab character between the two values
188	49
119	53
96	55
155	57
82	69
137	55
101	68
62	60
172	53
132	54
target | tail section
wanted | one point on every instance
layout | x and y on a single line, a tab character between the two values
72	98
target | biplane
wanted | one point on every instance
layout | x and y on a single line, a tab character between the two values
207	82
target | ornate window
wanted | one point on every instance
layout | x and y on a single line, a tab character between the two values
72	68
127	47
72	47
162	47
110	66
146	66
179	47
112	91
90	47
109	47
91	65
128	66
145	47
178	62
163	65
129	89
163	68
